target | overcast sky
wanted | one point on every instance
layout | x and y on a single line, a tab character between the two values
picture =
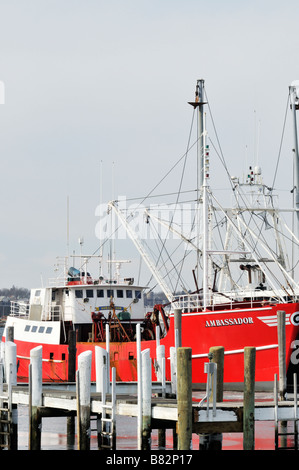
91	81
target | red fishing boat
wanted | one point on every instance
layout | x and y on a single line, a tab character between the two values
244	281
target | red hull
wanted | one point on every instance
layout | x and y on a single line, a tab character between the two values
232	329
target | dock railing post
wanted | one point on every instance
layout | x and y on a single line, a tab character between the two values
249	392
113	405
160	373
84	374
35	397
102	384
178	326
107	332
159	364
184	397
101	360
281	334
214	441
173	370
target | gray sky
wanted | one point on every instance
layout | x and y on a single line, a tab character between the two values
91	80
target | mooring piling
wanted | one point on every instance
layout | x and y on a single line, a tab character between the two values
184	398
214	393
146	399
249	394
84	377
35	398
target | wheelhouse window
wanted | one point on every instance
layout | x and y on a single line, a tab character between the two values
89	293
79	294
110	293
119	293
100	292
129	294
138	294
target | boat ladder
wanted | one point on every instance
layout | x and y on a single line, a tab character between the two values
107	434
281	425
5	425
107	427
5	410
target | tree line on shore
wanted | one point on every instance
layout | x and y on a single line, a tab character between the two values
15	292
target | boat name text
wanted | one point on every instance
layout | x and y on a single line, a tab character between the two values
229	322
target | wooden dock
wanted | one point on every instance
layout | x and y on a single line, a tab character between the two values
229	416
156	405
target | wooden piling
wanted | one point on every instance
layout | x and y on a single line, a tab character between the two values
146	399
249	404
184	398
214	441
35	398
218	358
84	375
281	334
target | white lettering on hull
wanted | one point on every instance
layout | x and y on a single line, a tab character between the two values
229	322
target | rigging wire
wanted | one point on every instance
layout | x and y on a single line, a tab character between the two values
184	158
180	186
281	140
221	158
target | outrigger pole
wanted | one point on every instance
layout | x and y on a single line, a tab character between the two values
294	98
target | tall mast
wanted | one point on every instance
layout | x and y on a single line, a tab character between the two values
199	105
205	217
294	97
202	181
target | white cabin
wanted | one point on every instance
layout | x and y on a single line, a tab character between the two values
76	302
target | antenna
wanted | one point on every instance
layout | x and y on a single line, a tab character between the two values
68	226
101	202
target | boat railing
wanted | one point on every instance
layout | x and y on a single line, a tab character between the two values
194	302
19	309
52	312
62	281
58	282
49	312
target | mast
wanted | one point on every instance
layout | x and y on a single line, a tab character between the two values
202	176
294	97
199	105
205	216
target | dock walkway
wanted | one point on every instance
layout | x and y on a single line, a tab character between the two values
227	418
156	405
